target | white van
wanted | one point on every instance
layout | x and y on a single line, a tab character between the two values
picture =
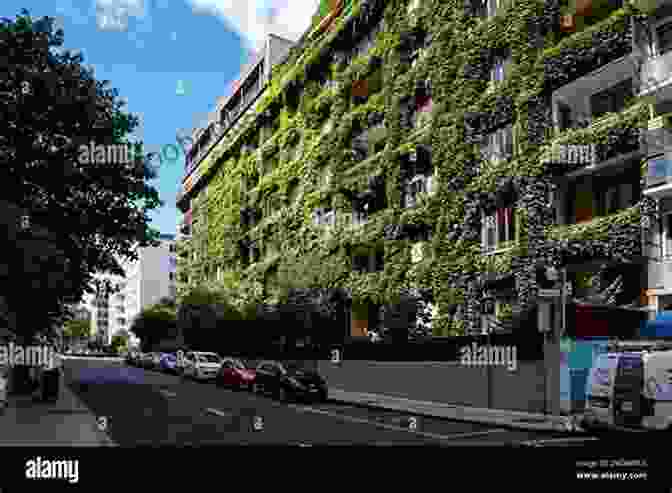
631	388
657	391
599	408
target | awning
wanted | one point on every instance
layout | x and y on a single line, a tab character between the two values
660	327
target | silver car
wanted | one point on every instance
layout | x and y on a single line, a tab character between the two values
201	365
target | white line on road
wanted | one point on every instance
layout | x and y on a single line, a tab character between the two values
217	412
92	358
560	440
436	436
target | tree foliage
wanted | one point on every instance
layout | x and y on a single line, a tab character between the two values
155	324
77	329
82	216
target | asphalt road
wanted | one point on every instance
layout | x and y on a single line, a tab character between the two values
147	407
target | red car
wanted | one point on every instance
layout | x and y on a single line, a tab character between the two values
235	374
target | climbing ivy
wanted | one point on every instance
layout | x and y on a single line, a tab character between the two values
313	143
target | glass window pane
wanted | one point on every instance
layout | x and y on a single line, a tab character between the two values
668	235
664	37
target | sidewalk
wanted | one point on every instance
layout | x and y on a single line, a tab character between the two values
67	422
495	417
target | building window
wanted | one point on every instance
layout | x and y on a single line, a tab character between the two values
663	35
614	198
419	184
495	6
499	228
611	100
666	226
171	248
324	217
171	276
500	68
498	145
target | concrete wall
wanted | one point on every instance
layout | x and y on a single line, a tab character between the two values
446	382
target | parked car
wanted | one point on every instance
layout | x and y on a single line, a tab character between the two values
156	361
201	365
290	380
235	374
146	360
168	363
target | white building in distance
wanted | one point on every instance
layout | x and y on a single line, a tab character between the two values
146	281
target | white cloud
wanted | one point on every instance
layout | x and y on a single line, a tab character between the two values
254	19
113	15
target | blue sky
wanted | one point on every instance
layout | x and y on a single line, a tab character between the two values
151	50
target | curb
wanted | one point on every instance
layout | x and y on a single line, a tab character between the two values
556	427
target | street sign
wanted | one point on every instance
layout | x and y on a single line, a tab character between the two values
549	293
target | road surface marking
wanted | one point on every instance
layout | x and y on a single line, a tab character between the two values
97	358
217	412
559	440
168	393
435	436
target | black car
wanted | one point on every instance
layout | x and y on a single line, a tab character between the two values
286	381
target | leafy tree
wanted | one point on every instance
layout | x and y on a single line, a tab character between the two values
119	342
155	324
199	313
50	105
77	329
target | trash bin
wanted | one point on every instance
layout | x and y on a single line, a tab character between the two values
50	384
4	374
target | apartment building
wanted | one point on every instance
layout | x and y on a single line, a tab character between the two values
409	171
232	113
652	39
147	280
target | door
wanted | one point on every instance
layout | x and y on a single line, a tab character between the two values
264	372
189	364
227	373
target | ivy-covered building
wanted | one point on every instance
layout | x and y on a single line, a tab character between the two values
448	151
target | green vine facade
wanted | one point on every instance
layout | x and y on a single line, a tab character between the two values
423	159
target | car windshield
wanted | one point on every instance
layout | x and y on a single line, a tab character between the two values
208	358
